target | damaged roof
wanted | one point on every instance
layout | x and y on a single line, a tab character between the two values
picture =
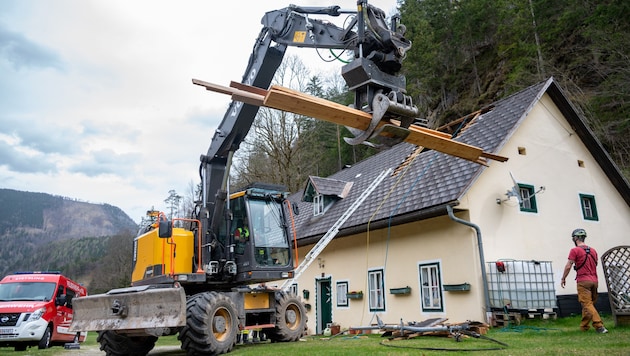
431	179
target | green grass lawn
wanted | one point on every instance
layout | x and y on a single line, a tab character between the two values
532	337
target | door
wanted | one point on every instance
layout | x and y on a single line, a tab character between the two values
63	319
324	304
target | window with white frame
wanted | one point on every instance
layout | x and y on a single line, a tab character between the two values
376	286
318	204
431	287
528	198
342	294
589	209
294	288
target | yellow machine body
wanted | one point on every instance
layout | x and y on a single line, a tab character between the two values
154	256
256	301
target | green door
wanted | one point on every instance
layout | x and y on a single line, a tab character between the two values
324	317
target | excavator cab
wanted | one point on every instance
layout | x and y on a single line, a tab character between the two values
251	245
256	238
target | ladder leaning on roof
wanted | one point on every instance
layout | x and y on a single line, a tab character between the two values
333	231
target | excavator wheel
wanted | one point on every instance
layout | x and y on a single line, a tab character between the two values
115	344
211	325
290	318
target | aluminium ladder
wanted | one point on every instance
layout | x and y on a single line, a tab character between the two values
333	231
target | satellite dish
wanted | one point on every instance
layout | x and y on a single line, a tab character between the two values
515	191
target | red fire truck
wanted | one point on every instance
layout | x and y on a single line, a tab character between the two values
36	310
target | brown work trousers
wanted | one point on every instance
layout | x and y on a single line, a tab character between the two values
587	296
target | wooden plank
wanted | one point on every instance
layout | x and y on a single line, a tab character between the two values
454	148
300	103
286	99
248	88
427	130
246	96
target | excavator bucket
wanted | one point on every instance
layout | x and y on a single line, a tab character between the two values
130	308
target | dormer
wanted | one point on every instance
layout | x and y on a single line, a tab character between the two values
323	192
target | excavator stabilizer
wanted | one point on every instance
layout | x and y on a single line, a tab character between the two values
130	308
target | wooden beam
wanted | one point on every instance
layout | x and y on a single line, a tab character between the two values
286	99
246	96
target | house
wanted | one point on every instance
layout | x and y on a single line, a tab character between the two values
431	240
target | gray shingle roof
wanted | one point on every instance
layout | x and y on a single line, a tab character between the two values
431	180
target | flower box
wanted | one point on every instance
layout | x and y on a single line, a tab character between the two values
403	290
464	287
354	295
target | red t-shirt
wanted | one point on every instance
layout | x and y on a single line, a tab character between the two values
588	271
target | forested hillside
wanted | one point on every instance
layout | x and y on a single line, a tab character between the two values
467	54
40	231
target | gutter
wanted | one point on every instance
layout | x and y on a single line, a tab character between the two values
482	259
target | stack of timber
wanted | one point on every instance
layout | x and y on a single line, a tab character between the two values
285	99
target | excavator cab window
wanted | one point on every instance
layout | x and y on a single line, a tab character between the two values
240	225
271	247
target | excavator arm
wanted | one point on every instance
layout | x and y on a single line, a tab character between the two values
378	52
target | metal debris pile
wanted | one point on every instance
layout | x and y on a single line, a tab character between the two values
433	327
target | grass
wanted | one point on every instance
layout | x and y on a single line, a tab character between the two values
532	337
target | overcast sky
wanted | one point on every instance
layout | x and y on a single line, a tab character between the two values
96	100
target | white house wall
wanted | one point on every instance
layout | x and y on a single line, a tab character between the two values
399	252
551	160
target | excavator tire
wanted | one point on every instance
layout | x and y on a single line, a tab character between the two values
290	318
211	325
115	344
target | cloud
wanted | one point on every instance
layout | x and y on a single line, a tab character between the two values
106	162
21	161
44	137
21	52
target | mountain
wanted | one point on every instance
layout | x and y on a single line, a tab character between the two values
39	231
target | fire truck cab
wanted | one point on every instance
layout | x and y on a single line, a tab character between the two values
36	310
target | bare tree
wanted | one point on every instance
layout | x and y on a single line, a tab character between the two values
173	203
187	205
270	153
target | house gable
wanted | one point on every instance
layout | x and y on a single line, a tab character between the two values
548	156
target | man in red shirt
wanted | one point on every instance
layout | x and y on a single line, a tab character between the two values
584	260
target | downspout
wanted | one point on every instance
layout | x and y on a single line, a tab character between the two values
482	260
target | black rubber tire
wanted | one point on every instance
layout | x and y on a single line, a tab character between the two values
211	325
290	318
44	343
115	344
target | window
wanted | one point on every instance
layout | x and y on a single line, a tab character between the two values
318	204
589	209
528	199
376	287
69	296
431	287
342	291
294	288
